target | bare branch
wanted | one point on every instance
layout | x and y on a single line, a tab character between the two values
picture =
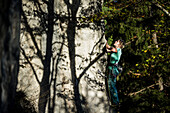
90	64
23	52
41	14
29	29
131	94
135	73
96	44
160	7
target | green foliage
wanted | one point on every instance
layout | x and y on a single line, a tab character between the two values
145	59
151	101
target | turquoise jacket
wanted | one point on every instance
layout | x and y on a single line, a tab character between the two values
114	59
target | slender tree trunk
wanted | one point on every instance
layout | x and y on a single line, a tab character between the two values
71	46
160	80
155	41
71	30
44	85
9	52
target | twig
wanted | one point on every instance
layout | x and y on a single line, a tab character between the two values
29	29
135	73
23	52
160	7
131	94
90	64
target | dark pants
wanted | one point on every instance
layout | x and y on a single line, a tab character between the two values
111	86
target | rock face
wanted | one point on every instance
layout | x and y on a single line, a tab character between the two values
75	45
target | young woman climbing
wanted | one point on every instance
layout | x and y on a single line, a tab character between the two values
112	70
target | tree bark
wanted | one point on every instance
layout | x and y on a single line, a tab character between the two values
71	30
44	85
160	80
9	52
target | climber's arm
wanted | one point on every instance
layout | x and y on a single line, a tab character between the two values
110	49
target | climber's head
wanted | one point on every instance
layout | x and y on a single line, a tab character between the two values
119	44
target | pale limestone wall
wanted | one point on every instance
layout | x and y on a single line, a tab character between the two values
86	40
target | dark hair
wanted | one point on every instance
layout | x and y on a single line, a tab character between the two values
122	43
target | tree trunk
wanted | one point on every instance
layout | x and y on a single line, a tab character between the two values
160	81
71	46
9	52
71	30
44	85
